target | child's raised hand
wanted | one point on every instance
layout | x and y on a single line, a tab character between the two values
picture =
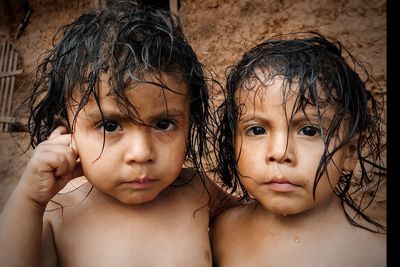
52	166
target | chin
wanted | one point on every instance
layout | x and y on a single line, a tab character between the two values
136	200
283	210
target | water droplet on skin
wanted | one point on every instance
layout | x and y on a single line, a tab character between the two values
296	239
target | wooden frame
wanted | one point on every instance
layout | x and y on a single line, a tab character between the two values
8	71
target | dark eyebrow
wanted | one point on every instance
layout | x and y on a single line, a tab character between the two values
97	115
254	117
312	116
168	113
298	117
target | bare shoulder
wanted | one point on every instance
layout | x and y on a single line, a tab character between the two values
190	180
227	231
70	196
203	188
55	210
221	198
372	242
372	245
231	219
236	213
197	182
363	247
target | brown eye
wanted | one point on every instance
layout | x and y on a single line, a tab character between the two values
256	130
310	131
110	126
164	125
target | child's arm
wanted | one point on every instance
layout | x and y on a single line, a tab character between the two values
21	221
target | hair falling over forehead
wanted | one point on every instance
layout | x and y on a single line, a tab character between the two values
130	44
324	75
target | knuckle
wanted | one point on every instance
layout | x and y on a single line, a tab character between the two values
63	159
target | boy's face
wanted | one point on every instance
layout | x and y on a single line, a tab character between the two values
277	166
132	162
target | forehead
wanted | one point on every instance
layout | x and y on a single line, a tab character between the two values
164	90
263	92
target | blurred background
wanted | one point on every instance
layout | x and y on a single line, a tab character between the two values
219	31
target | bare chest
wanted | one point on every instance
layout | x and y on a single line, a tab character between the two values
162	236
294	249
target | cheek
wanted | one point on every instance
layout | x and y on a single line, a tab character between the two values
239	150
329	180
333	172
248	155
324	191
92	164
92	155
241	159
174	158
87	147
174	152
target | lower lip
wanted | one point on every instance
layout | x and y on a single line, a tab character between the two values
141	185
282	187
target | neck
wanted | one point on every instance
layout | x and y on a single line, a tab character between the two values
327	210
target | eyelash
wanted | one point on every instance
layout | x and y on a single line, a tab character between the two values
171	125
261	130
311	127
250	131
103	125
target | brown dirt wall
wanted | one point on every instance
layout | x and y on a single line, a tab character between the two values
219	31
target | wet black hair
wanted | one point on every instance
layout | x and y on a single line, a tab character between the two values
315	65
131	43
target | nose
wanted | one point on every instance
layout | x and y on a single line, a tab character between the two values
139	147
280	149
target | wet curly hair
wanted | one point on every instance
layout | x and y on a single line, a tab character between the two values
310	61
129	42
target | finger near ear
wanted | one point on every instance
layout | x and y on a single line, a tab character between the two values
58	131
73	145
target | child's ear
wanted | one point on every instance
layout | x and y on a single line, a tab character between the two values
351	159
73	145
